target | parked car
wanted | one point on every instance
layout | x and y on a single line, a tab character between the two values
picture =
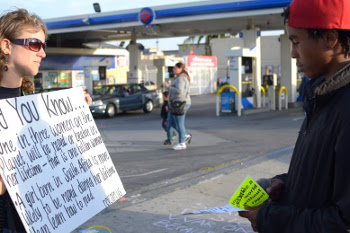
53	89
109	100
150	85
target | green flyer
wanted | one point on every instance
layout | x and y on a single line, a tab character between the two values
249	193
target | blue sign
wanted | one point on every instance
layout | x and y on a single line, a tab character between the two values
246	103
227	101
146	15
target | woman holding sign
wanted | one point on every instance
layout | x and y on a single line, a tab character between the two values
22	46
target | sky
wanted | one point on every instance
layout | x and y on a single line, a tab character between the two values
48	9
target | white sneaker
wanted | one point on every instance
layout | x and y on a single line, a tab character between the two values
179	146
188	138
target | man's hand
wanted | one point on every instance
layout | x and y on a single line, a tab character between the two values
275	189
251	215
87	96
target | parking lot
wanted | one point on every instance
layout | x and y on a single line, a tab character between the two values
135	141
162	184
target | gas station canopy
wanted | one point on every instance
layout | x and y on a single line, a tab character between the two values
199	18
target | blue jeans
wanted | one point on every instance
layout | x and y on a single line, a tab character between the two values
177	122
187	107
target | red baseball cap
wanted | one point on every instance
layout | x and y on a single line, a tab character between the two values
319	14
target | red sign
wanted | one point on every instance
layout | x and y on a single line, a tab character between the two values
146	15
201	61
122	61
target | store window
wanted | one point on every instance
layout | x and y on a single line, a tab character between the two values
57	79
38	82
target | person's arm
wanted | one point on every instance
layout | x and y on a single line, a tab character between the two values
178	87
281	177
271	215
2	186
166	85
88	98
332	217
273	187
174	87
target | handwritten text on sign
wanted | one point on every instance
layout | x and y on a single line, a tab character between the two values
54	163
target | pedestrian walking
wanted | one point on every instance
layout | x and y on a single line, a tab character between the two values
313	197
179	91
164	114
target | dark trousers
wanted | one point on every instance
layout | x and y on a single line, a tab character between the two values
165	124
5	230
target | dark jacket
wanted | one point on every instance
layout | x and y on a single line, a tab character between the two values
8	213
316	194
164	112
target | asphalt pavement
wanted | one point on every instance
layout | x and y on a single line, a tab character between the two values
263	141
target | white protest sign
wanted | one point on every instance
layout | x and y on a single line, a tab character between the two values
54	163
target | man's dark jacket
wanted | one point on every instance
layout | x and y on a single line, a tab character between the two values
316	193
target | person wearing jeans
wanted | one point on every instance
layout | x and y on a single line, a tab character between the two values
179	91
177	122
188	137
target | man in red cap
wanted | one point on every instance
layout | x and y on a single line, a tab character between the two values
314	196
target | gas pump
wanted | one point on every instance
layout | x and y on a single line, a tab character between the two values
271	82
243	76
88	64
247	77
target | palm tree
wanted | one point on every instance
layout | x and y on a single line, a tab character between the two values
197	39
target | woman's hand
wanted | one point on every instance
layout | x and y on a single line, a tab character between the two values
88	98
2	185
165	85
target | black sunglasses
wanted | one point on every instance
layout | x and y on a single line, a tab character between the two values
32	44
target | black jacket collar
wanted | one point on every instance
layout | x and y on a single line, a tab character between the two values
320	91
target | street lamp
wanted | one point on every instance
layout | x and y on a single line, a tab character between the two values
97	7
